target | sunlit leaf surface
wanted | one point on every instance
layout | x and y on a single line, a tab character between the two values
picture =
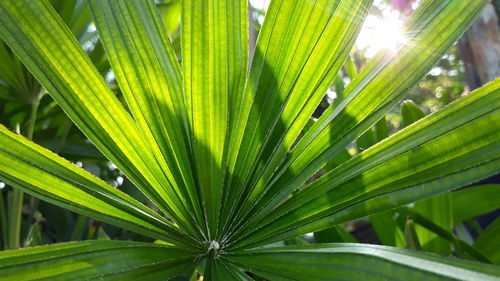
224	147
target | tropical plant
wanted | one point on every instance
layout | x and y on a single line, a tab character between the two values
222	151
25	106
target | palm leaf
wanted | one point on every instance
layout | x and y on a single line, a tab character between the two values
440	152
431	30
356	262
45	175
110	260
437	208
149	76
219	149
214	37
59	63
291	70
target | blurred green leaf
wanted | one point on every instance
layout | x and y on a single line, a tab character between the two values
450	238
387	229
334	234
488	241
411	113
222	152
170	11
437	209
411	236
473	201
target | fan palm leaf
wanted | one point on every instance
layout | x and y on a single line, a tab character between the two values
217	145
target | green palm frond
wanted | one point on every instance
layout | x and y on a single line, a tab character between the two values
220	148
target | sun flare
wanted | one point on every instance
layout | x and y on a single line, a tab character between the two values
380	33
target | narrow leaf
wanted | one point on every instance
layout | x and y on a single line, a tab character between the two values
410	113
357	262
488	241
433	27
474	201
411	236
149	76
387	229
214	40
103	260
41	40
43	174
291	70
446	150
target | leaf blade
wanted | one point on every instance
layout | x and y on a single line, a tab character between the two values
291	70
487	242
477	196
214	37
149	76
443	137
438	208
344	261
56	59
95	259
431	31
40	172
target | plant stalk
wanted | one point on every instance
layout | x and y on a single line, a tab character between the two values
3	221
16	206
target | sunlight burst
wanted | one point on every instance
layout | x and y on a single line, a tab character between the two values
380	33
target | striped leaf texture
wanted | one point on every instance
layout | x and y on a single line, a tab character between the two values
357	262
86	260
224	146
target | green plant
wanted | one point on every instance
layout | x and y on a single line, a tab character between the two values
219	150
25	107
